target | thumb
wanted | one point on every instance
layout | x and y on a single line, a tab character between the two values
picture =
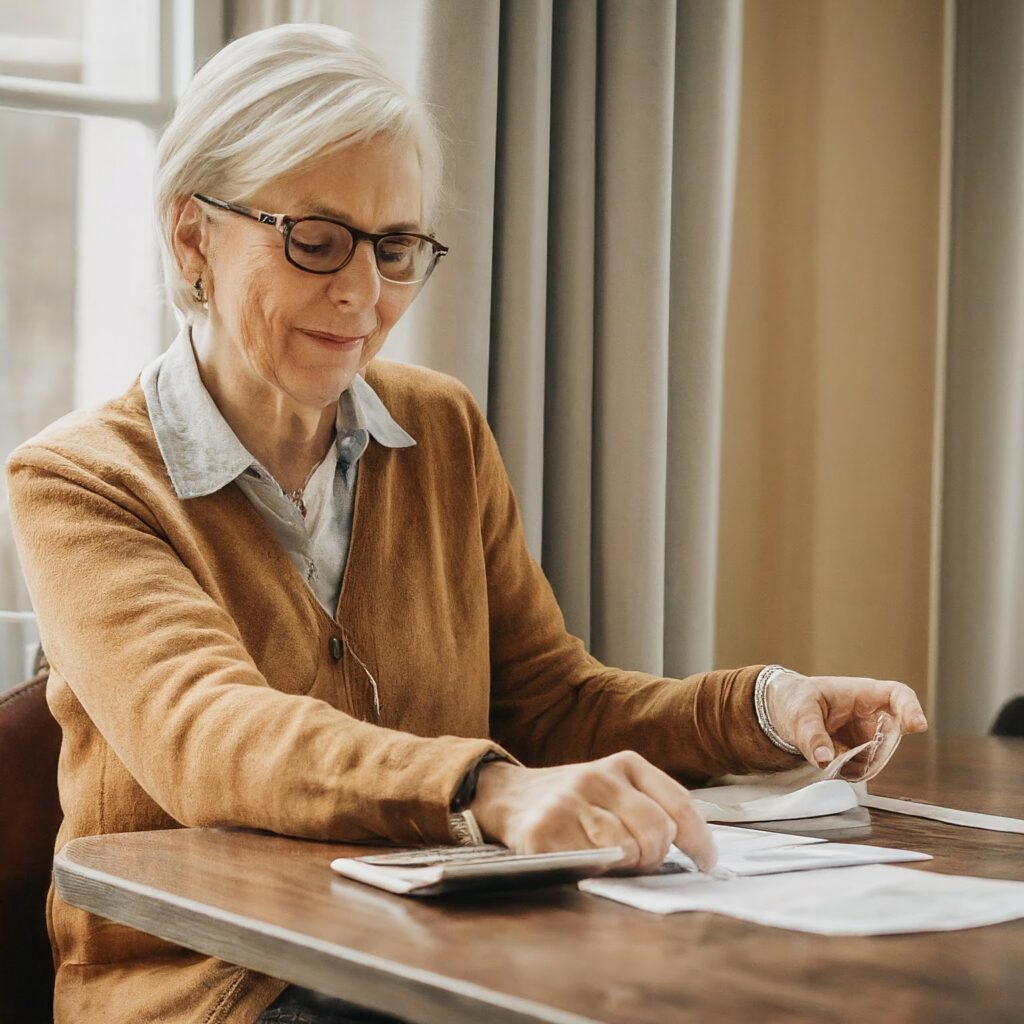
822	752
813	739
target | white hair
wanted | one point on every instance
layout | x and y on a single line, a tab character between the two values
267	103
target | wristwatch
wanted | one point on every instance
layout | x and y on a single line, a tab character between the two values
464	829
462	822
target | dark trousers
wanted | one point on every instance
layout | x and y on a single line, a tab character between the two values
304	1006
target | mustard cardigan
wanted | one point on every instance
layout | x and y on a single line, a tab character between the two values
198	681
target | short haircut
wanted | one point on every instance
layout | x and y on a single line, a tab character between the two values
266	104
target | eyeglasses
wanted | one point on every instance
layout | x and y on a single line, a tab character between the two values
323	245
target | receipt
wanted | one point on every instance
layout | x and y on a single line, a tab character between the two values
866	761
811	792
803	792
774	803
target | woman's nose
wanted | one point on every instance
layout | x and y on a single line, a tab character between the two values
358	283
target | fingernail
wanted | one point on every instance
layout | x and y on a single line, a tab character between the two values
823	755
707	862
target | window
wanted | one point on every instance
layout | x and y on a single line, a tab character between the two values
85	86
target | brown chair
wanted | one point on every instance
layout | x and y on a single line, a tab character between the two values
30	815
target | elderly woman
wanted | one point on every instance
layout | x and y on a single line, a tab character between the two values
283	584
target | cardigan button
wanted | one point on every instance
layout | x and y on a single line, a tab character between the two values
334	646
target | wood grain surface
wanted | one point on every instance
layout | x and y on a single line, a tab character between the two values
558	955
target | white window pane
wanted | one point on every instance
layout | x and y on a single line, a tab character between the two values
117	313
110	45
38	185
53	18
80	304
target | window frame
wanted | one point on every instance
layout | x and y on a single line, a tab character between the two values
189	33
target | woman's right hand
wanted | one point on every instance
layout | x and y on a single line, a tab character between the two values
619	800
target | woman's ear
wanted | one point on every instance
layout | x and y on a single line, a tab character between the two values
189	237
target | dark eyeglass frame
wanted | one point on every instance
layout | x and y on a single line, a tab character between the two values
284	223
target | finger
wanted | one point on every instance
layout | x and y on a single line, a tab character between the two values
643	818
551	833
603	829
651	827
898	698
907	708
692	834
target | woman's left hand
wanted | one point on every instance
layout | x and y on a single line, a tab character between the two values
827	715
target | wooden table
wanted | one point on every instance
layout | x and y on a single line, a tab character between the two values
559	955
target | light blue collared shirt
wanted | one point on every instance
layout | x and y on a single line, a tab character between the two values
203	454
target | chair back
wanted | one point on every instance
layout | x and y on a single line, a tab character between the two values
30	815
1010	720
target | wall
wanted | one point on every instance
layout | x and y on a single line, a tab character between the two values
831	350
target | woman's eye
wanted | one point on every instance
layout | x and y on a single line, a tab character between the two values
396	251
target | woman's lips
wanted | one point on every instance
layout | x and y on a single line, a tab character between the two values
334	341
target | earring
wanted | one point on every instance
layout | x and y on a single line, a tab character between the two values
199	293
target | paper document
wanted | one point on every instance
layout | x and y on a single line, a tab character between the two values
730	839
871	900
776	802
811	792
747	852
803	792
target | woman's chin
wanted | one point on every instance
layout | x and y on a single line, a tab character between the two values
325	391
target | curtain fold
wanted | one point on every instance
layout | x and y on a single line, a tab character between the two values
592	161
981	594
633	243
519	292
458	77
569	367
708	58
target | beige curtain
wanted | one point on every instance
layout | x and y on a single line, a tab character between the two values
981	602
593	157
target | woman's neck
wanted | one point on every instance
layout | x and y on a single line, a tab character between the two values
289	439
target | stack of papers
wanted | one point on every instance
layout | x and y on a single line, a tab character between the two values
791	882
743	852
870	900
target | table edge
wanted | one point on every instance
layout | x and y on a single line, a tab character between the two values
358	976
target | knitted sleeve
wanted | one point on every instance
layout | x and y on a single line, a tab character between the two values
553	703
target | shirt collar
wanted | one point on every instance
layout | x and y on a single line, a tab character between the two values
201	451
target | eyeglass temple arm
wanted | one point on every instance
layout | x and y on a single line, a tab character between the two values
275	220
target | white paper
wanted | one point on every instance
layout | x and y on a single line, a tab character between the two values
970	819
730	839
774	802
747	852
872	900
803	792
